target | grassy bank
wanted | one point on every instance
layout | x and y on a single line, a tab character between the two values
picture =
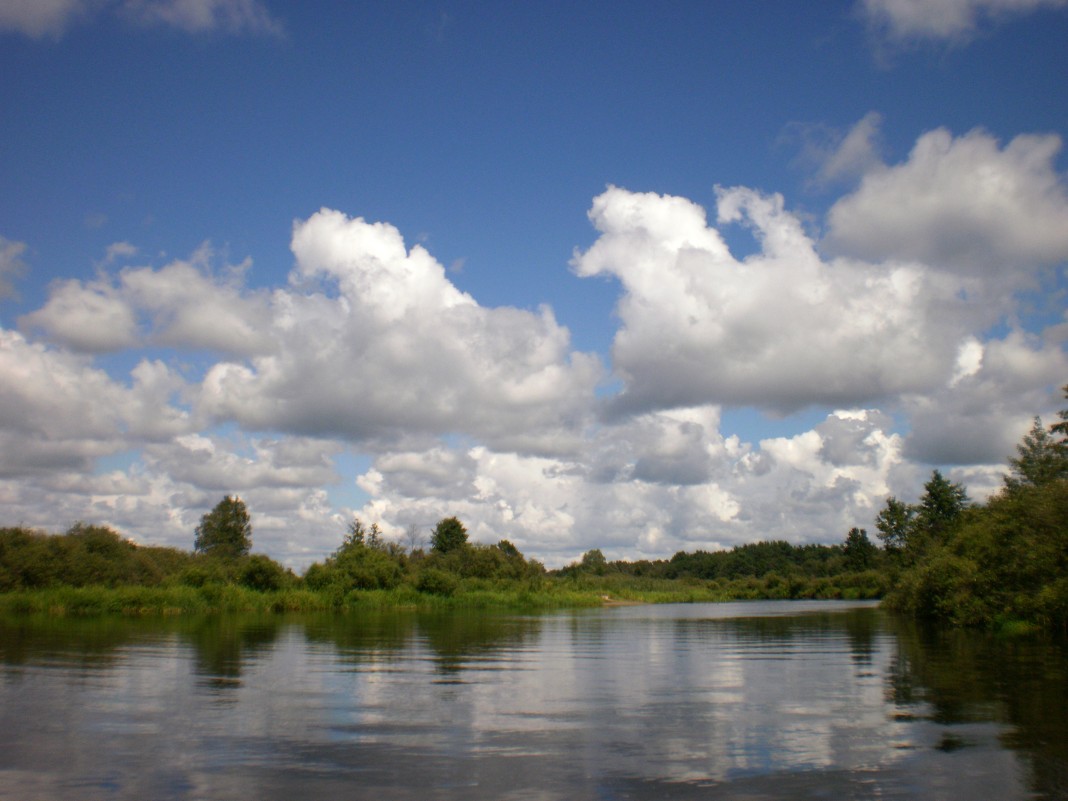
589	591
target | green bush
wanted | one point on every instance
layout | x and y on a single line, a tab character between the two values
436	582
259	572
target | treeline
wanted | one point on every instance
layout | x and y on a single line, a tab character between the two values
772	569
999	564
46	572
96	556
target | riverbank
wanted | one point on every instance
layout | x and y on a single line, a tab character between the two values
472	594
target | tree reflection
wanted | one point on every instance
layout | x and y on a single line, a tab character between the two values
954	676
223	644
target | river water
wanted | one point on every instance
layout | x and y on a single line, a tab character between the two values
759	700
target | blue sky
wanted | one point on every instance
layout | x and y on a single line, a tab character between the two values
639	278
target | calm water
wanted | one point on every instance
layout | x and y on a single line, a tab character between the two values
748	701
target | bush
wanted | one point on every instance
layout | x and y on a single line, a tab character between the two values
436	582
259	572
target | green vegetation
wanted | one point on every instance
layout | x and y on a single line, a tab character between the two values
92	570
1003	564
226	530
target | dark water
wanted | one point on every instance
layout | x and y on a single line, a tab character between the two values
788	700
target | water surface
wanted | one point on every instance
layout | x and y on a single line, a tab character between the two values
706	701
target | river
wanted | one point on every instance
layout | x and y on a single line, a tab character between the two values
758	700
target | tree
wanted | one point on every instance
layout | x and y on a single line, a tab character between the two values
858	550
374	538
594	561
449	535
355	536
894	523
413	537
941	506
508	549
225	530
1040	459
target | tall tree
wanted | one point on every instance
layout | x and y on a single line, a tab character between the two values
448	535
1040	459
858	550
594	561
894	523
941	506
226	530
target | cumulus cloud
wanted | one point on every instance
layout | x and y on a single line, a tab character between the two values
981	415
781	329
52	18
963	203
182	305
943	19
87	317
375	341
56	410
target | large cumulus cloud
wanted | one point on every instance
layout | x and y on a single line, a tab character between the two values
374	341
781	329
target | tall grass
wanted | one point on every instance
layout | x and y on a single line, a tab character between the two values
543	594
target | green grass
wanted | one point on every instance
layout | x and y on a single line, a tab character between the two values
533	595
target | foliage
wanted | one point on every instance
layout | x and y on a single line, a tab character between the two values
1001	562
1040	459
436	582
894	523
593	561
860	554
449	535
84	556
939	510
259	572
225	531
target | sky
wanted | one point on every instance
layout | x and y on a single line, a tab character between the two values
640	277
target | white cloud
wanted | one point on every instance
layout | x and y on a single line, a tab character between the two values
982	413
961	203
182	305
57	411
380	344
89	317
943	19
212	463
781	329
52	18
